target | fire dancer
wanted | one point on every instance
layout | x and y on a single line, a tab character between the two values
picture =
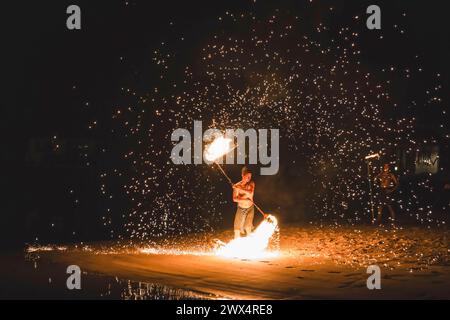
387	183
243	195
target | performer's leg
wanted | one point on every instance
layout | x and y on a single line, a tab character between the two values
392	212
249	220
238	223
380	214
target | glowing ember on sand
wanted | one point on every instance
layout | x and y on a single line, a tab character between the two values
218	148
253	246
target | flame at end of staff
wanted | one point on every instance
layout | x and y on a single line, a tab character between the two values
218	148
253	246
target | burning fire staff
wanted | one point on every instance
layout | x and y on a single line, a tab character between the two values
243	195
387	183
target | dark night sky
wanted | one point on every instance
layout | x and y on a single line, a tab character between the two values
42	61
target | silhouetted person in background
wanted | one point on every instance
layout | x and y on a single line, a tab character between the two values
387	183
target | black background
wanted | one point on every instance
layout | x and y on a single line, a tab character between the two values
42	62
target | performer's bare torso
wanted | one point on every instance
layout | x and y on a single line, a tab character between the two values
246	186
387	181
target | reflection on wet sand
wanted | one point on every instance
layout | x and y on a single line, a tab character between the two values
152	291
35	278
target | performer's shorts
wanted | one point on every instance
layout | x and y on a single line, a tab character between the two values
385	199
243	220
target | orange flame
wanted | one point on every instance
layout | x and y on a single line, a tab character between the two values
218	148
254	245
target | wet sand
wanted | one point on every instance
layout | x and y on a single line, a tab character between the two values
277	278
314	263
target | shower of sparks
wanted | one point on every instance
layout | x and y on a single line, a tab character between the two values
218	148
175	252
253	246
41	248
409	248
286	71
